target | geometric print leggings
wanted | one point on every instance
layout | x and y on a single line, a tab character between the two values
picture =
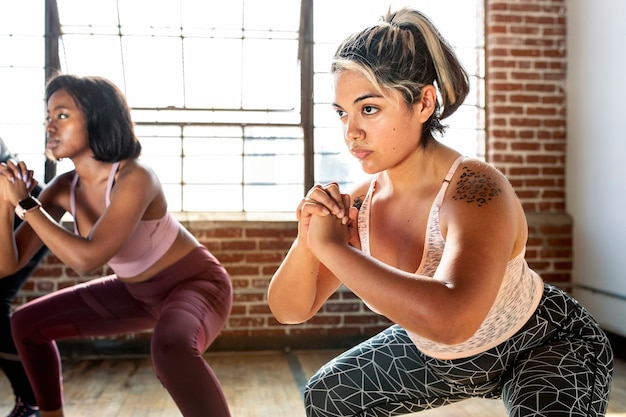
559	364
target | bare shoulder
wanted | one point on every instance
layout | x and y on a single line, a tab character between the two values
483	211
140	185
136	171
479	183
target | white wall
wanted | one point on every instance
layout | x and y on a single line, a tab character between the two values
596	155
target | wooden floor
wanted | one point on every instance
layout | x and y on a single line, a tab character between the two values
256	384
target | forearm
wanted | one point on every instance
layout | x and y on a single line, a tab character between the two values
72	250
293	291
418	303
8	254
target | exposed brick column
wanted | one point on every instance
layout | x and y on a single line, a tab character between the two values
526	121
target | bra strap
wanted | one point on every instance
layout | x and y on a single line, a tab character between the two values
453	168
73	201
446	181
114	168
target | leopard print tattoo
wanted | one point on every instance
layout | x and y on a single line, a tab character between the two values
358	201
475	188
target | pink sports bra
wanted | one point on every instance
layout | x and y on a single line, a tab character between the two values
148	243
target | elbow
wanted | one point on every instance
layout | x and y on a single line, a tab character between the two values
287	320
9	268
5	272
85	262
280	313
289	306
84	267
81	272
283	314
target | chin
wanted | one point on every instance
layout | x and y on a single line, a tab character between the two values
370	170
51	156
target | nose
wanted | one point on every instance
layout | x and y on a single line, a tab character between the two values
352	131
49	124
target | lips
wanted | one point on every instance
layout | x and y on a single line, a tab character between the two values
360	153
51	143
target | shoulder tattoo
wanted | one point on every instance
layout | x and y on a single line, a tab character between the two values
476	188
358	201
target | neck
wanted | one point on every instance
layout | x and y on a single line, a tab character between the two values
92	171
424	169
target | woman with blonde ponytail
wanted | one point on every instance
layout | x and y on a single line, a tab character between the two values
435	242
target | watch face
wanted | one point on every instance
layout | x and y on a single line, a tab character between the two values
29	203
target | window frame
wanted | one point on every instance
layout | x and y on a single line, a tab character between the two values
306	57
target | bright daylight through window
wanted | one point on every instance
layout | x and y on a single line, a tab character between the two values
215	87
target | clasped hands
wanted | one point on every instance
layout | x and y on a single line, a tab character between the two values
325	216
16	182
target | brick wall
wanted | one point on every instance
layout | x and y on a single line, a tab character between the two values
525	79
526	121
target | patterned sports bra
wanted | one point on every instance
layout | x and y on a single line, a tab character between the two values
517	299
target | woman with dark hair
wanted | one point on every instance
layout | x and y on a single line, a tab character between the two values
164	279
435	242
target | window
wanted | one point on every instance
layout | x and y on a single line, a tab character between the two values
205	80
216	88
22	57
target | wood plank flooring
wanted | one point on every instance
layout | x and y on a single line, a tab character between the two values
256	384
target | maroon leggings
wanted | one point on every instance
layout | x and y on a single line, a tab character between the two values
187	305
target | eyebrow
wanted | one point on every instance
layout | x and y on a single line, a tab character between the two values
361	98
56	108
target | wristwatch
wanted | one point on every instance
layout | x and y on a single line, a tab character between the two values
26	205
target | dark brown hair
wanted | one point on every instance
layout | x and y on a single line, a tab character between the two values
109	124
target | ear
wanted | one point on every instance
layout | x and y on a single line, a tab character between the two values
426	105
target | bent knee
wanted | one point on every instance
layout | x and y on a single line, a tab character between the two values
21	324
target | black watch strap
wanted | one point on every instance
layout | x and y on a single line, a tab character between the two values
26	205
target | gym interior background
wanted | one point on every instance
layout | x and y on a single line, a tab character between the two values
231	102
